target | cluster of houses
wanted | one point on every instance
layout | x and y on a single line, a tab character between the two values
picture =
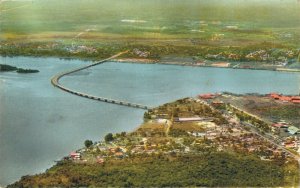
286	126
281	61
292	142
289	53
141	53
75	155
223	55
235	137
284	98
77	49
258	55
103	148
289	142
263	55
234	56
212	131
250	143
222	137
215	102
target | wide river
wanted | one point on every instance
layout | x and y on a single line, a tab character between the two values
40	123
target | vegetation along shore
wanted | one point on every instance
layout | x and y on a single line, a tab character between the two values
256	58
7	68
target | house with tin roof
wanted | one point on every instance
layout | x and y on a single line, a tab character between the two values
293	130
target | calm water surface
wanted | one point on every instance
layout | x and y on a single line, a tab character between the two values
40	123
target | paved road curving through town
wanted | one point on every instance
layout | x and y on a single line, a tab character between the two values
55	82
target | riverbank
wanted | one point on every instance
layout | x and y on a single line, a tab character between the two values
257	57
204	64
212	64
211	148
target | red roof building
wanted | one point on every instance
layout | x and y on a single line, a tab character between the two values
296	101
207	96
100	159
217	103
119	155
279	125
295	97
275	96
75	155
285	98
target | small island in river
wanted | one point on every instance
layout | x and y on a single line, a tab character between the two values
210	140
6	68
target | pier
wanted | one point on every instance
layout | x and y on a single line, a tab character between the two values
55	82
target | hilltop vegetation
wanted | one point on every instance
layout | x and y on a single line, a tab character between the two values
211	169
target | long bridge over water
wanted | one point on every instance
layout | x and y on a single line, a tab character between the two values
55	82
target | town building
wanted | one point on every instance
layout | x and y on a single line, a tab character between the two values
293	130
75	155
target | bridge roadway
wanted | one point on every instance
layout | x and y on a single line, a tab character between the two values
55	82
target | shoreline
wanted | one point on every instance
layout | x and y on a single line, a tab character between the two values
155	61
152	61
